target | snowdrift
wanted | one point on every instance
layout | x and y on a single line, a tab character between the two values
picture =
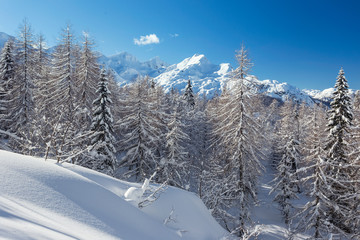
45	200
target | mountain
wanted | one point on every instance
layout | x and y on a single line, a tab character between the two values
4	38
205	77
127	67
48	200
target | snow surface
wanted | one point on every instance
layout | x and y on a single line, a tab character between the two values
45	200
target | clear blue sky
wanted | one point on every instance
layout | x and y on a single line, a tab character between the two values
303	42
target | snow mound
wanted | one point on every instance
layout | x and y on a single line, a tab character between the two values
45	200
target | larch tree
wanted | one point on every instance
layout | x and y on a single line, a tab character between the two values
86	81
61	101
174	166
238	138
313	216
139	133
22	107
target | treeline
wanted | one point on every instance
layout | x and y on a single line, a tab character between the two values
62	105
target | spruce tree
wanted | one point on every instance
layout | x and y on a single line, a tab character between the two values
102	153
7	75
338	168
189	96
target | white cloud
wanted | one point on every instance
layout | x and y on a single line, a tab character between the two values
174	35
148	39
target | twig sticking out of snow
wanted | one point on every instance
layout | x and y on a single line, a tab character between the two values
171	217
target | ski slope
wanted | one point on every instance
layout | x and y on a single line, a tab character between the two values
45	200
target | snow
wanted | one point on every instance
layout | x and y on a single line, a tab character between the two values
206	77
266	213
44	200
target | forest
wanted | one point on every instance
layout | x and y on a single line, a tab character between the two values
60	103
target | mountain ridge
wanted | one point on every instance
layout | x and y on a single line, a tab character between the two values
206	77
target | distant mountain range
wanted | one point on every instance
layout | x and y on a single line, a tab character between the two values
206	77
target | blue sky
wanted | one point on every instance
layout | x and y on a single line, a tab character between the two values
303	43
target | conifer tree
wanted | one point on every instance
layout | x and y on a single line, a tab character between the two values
61	101
102	153
174	166
22	109
314	216
7	75
139	133
237	137
338	169
189	96
87	77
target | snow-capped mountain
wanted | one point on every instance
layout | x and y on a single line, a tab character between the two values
127	67
205	76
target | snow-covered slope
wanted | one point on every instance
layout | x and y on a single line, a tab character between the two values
205	76
324	95
127	67
44	200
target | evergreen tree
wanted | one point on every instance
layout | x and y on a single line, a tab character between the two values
7	75
102	153
189	96
341	190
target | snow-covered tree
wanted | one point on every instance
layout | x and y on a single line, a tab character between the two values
61	101
237	143
102	152
86	81
338	168
189	96
42	68
140	136
22	107
285	182
63	76
7	75
174	166
314	215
